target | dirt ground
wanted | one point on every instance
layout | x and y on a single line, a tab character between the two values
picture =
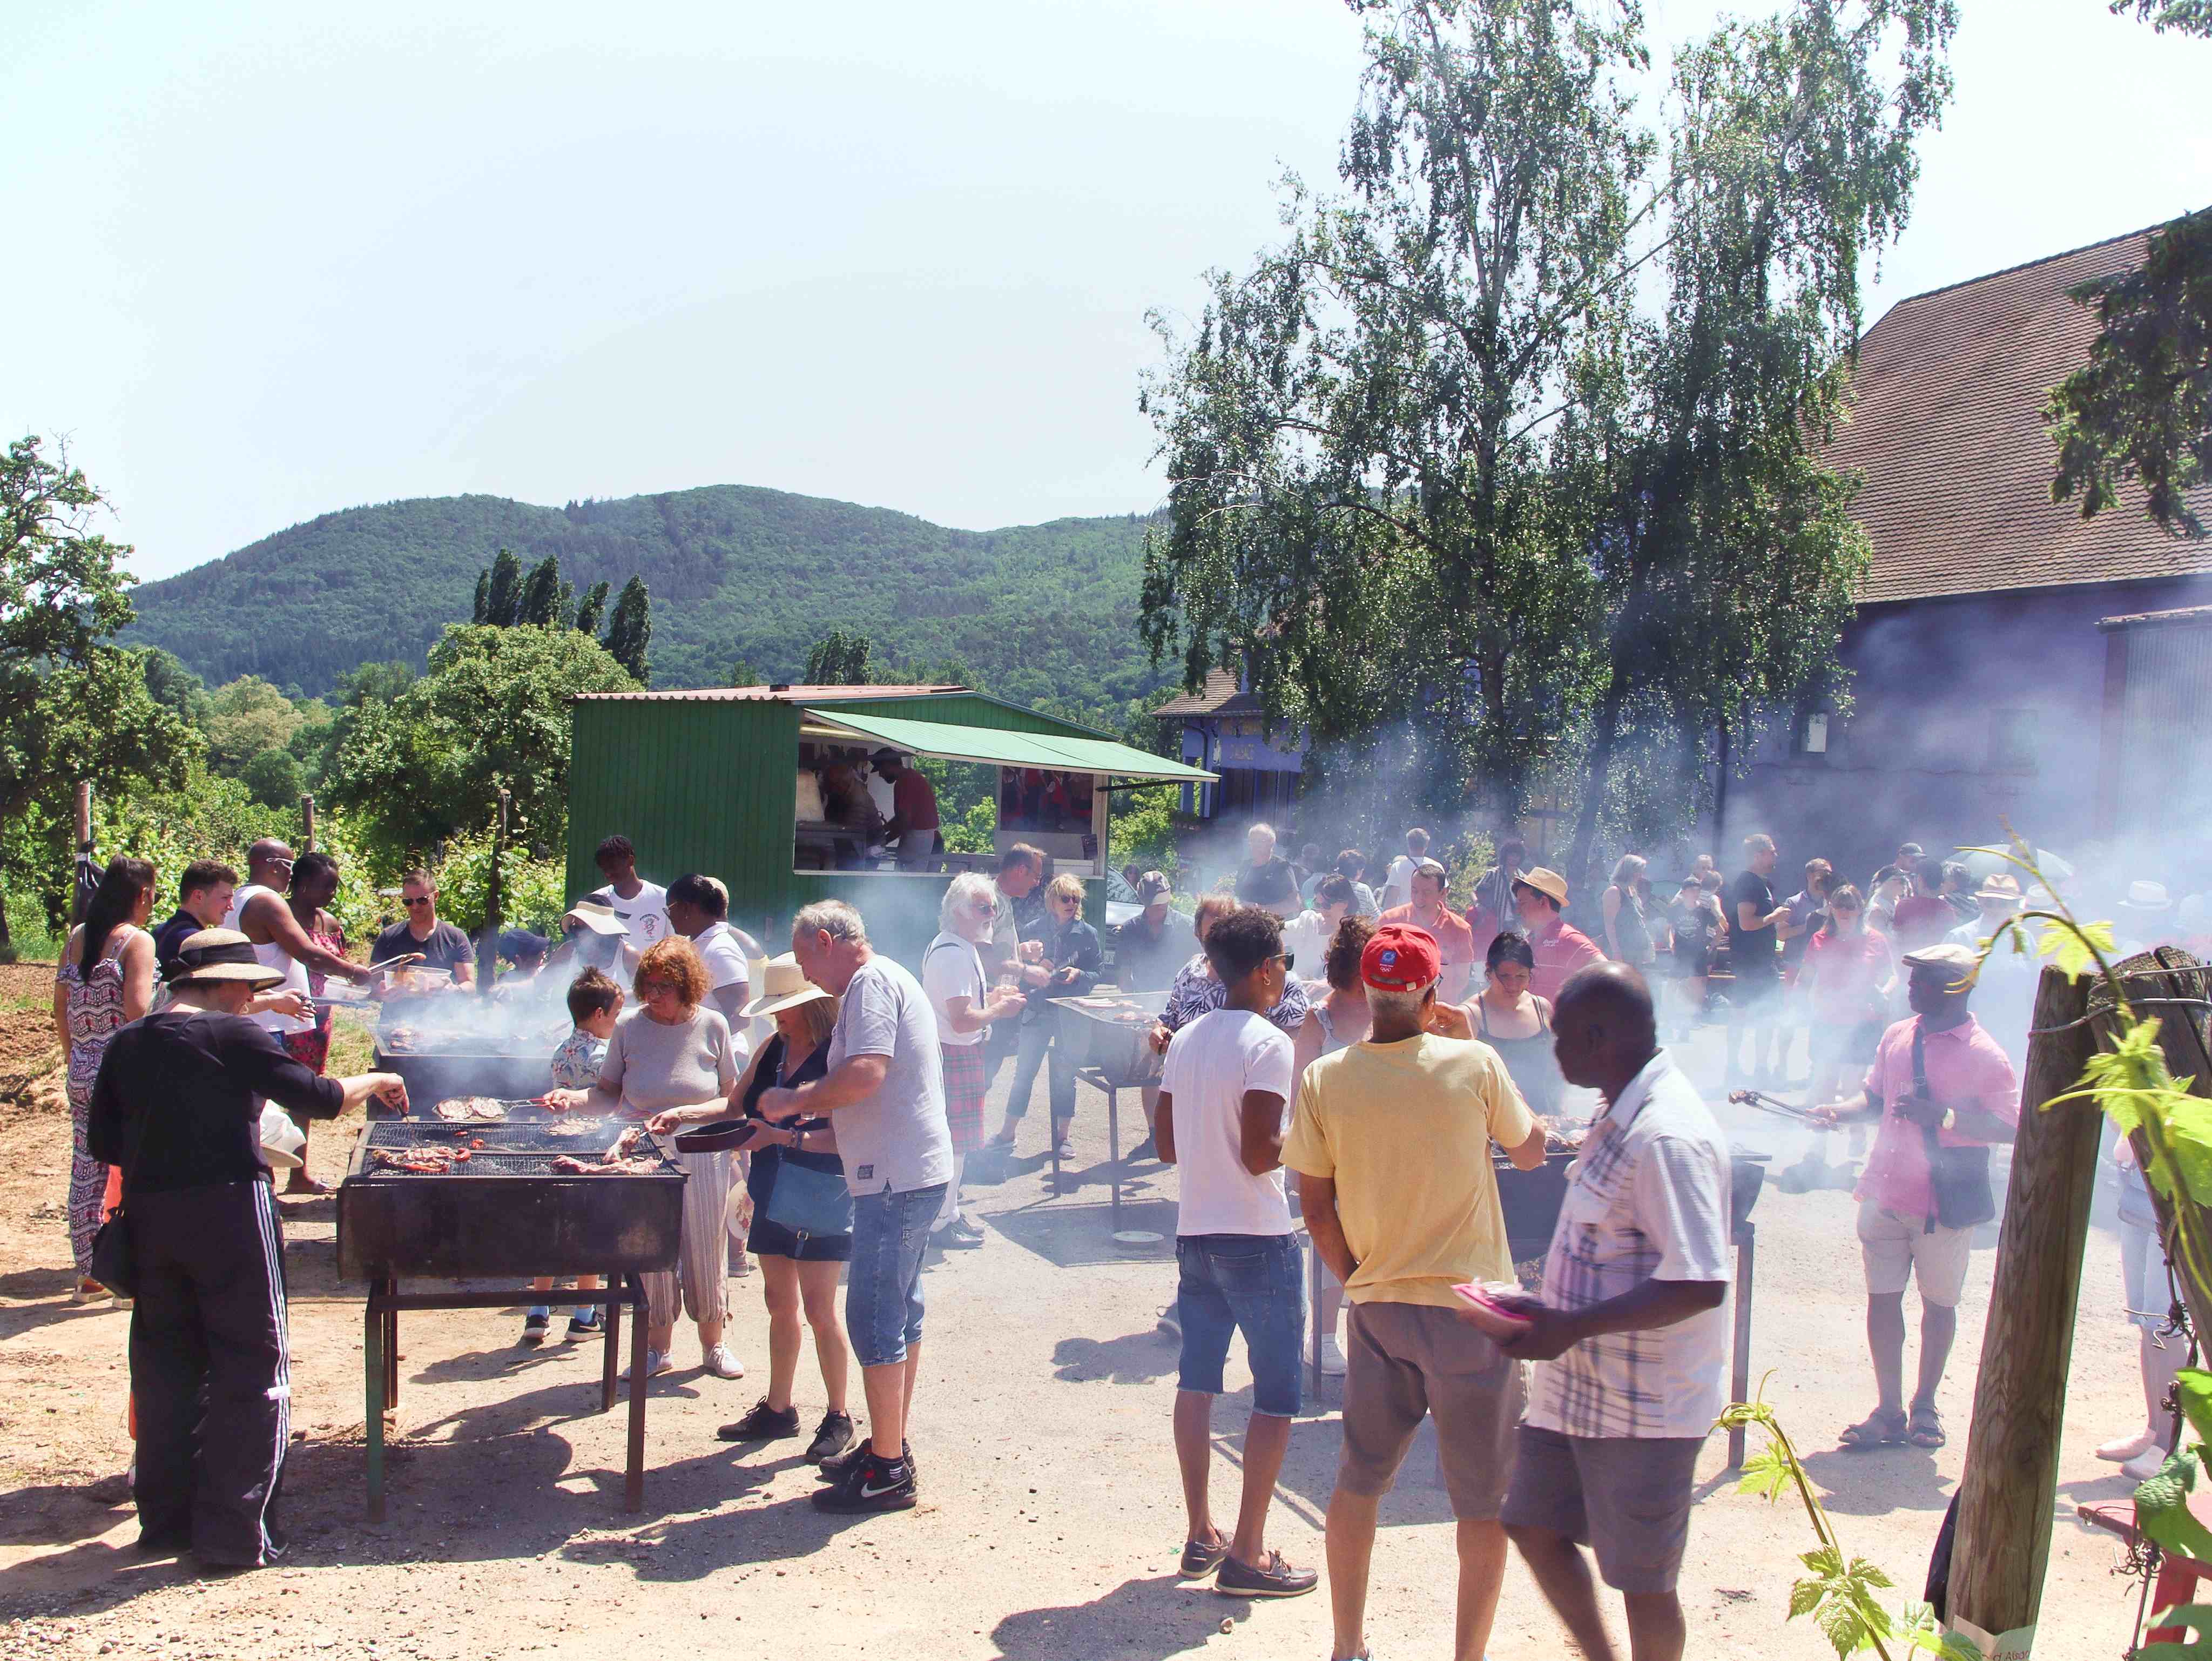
1050	1517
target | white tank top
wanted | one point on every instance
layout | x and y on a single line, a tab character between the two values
271	956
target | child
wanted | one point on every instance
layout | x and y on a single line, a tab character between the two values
594	1001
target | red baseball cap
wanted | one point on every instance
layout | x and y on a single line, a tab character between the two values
1400	959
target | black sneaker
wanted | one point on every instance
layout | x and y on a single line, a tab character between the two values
871	1486
962	1236
1272	1579
831	1438
1200	1558
836	1470
536	1324
763	1424
583	1327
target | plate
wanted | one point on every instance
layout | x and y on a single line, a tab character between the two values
1489	1314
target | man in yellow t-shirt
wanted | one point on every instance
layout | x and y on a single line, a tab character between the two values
1391	1141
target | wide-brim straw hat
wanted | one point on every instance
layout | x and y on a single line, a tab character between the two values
784	985
2147	896
1546	882
599	919
219	954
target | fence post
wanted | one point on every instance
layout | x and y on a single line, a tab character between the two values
306	825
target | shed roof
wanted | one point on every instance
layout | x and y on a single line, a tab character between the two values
777	694
1001	747
1220	696
1948	429
2184	617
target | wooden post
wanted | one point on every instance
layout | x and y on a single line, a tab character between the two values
82	847
494	907
2007	1494
306	825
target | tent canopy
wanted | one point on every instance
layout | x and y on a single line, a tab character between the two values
997	747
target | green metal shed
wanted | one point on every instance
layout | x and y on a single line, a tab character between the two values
708	781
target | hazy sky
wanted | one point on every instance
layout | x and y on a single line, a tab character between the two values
285	261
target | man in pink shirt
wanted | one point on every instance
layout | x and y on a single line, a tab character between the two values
1540	896
1938	1081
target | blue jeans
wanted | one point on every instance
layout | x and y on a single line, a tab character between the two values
1036	1042
883	1289
1252	1283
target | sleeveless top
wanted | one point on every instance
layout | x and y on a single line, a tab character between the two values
770	1074
1534	1068
94	1009
275	957
1330	1043
1630	928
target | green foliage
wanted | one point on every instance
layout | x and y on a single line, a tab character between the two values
2162	1508
629	631
272	778
2183	16
533	892
1142	828
838	659
541	594
428	764
2142	407
1839	1591
2189	1618
503	592
975	831
174	687
245	717
1034	612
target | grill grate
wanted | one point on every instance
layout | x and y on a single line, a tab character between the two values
511	1148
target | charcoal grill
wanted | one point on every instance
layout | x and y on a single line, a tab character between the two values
1110	1034
504	1212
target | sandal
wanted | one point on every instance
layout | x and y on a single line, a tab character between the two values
1878	1429
1925	1427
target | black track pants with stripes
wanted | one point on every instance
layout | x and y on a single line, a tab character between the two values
209	1367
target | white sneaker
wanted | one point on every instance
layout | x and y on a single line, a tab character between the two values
2145	1465
657	1362
723	1363
1332	1357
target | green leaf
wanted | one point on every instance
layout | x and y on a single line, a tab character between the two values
1805	1597
2190	1617
1765	1474
2162	1508
2188	1125
2194	1387
1918	1630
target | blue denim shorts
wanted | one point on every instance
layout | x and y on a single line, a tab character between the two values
883	1289
1252	1283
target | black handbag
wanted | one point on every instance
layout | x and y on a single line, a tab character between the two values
1958	1178
114	1259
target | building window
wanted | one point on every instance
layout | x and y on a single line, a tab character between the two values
1816	733
2012	742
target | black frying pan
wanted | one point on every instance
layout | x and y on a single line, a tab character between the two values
715	1137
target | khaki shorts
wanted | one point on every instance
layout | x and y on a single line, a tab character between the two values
1898	1249
1626	1498
1405	1360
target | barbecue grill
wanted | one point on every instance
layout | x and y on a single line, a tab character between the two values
504	1211
1111	1036
459	1044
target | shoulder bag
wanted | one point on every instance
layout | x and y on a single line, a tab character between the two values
1958	1178
114	1259
804	1201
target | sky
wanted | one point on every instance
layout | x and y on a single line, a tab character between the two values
290	260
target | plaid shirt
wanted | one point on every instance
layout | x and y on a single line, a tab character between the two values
1196	993
1648	1199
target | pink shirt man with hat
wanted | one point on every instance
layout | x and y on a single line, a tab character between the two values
1540	895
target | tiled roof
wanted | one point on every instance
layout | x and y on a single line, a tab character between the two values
1948	429
770	694
1218	696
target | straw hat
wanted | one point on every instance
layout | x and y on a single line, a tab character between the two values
1999	885
219	954
2146	897
599	919
782	987
1545	882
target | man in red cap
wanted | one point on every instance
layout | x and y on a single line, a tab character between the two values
1391	1140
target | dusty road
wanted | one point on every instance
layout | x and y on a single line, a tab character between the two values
1050	1517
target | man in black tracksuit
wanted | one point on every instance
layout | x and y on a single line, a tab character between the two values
178	1105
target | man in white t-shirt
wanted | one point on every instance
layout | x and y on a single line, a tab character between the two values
698	909
1223	1112
642	906
1398	884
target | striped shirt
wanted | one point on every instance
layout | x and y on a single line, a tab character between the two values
1647	1199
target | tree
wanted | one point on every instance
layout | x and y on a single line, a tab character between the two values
172	686
592	608
428	763
742	673
245	717
1473	508
502	584
2142	407
273	778
542	594
73	706
838	659
629	631
479	613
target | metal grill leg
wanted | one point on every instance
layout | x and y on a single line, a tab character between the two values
610	1345
633	1480
392	1352
1746	1254
372	1350
1114	1151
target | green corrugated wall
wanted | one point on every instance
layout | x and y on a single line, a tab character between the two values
707	786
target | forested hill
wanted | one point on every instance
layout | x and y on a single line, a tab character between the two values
735	573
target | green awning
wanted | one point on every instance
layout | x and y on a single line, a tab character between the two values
999	747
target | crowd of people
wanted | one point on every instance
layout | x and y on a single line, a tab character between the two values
1309	1025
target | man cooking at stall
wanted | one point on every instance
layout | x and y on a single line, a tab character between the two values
422	937
913	826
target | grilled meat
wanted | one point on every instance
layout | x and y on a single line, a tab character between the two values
423	1161
571	1167
470	1109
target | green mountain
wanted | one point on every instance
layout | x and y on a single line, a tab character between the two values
1036	612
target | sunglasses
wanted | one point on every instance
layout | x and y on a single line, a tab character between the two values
1288	960
420	899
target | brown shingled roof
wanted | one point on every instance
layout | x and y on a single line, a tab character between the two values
1948	430
1218	696
769	693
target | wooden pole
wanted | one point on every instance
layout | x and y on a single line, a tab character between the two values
2008	1492
306	825
82	847
494	907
